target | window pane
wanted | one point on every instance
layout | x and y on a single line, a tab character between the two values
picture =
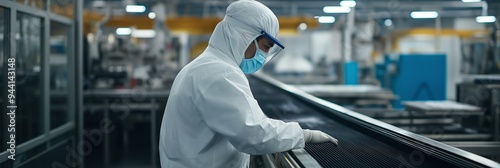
28	57
62	7
33	3
58	74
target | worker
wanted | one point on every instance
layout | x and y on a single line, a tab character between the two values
211	118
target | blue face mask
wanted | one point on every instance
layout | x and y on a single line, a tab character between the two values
249	66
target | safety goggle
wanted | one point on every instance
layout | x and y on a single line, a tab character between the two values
276	49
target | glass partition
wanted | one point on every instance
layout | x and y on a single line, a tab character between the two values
42	43
58	42
28	34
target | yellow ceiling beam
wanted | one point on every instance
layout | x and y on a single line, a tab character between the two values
192	25
139	22
189	24
442	32
184	24
433	32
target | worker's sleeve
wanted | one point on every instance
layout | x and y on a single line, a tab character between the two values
229	108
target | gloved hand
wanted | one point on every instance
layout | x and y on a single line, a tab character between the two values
316	136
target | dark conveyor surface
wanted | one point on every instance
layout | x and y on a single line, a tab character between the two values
358	147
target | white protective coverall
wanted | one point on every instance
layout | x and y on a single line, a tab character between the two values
211	118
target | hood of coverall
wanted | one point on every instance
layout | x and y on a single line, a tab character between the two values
243	22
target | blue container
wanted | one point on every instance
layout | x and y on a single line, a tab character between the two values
351	73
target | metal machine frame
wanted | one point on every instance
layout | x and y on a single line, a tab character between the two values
403	136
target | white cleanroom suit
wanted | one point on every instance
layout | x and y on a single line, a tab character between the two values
211	118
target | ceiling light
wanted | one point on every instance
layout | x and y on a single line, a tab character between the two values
388	22
336	9
424	14
471	0
348	3
151	15
302	26
123	31
486	19
143	33
326	19
135	8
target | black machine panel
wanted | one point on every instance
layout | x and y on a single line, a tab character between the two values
359	145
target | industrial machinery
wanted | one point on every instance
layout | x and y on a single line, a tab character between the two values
405	76
363	141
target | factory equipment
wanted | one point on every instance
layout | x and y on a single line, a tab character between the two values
483	91
363	141
110	69
355	96
122	64
446	117
124	60
408	78
481	54
126	110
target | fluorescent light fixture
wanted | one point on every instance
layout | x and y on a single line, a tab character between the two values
424	14
336	9
326	19
151	15
486	19
143	33
348	3
388	22
123	31
135	8
471	0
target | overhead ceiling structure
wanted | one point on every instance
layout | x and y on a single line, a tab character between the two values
364	8
201	16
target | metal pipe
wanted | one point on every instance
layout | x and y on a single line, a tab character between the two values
438	35
104	20
184	52
496	115
45	61
106	136
293	9
347	36
154	148
78	13
206	7
485	8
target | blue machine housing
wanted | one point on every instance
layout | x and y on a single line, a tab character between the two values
417	77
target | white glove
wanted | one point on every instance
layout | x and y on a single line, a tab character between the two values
316	136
